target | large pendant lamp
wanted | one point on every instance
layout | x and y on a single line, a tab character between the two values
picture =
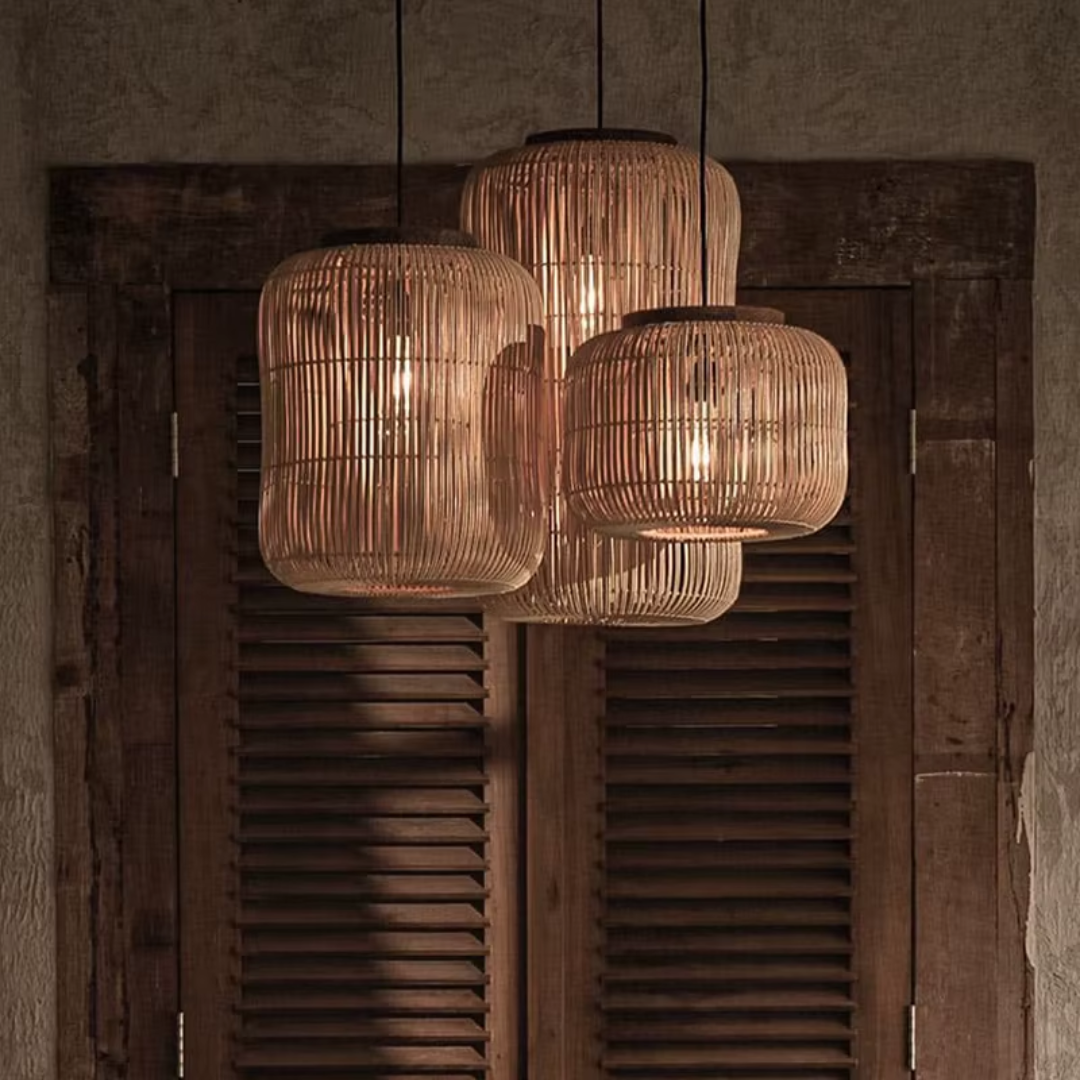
400	374
607	222
706	423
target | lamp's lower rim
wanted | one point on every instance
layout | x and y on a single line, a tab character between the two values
610	620
329	585
706	532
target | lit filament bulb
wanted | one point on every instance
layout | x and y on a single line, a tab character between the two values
700	455
401	379
702	390
588	300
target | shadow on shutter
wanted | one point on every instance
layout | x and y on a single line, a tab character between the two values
355	806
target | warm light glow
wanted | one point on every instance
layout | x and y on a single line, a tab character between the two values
588	301
700	455
401	386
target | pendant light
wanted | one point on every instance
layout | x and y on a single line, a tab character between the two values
607	222
400	378
706	423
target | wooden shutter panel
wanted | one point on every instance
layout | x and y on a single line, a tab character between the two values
345	872
728	830
755	890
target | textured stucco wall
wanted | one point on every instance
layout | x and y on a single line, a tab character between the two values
94	81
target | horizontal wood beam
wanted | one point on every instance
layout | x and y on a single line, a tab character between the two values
804	225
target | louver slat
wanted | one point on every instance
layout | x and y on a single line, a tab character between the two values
728	831
361	817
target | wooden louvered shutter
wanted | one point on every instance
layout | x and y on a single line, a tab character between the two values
754	777
347	774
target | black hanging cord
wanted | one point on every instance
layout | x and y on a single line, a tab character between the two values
599	63
399	58
703	38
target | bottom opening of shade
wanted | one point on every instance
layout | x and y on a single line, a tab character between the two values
698	532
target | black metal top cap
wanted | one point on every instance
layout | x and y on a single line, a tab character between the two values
710	313
594	134
393	235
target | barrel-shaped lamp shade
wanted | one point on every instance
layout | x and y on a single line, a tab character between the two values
706	424
607	222
605	583
402	427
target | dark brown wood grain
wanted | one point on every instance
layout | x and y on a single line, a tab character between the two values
211	331
955	535
973	678
1015	667
563	850
70	367
955	930
505	745
805	224
109	993
112	389
148	675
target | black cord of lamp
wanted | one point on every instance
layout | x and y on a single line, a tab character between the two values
703	41
599	63
399	60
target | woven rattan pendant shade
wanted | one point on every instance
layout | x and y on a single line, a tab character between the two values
607	222
400	380
706	424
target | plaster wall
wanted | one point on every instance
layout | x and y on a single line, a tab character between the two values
106	81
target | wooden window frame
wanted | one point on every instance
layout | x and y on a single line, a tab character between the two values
122	240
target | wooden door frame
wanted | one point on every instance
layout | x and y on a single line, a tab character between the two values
123	240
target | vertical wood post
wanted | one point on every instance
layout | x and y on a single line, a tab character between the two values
564	694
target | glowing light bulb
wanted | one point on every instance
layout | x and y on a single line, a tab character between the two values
700	455
588	298
401	379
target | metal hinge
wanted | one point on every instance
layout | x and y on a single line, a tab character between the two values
912	1045
174	444
180	1045
913	440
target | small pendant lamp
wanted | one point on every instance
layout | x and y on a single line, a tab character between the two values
705	423
606	221
400	378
